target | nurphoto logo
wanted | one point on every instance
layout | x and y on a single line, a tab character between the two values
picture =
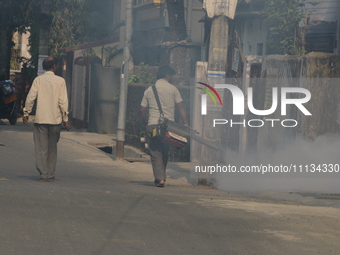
239	104
204	97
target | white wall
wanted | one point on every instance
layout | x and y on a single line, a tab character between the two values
252	32
326	10
21	44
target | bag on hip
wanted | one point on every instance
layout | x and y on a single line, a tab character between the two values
161	133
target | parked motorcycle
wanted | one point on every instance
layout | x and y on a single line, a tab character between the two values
7	102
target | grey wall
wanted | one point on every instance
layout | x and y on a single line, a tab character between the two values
319	73
314	142
104	93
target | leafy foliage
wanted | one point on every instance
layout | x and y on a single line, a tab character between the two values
112	53
285	16
143	76
15	16
19	13
74	22
78	21
29	68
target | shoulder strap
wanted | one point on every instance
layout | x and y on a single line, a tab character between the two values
157	99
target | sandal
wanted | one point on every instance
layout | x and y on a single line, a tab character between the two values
159	183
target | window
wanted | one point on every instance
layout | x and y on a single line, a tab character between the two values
259	50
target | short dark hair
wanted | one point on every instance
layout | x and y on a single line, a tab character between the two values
163	71
49	62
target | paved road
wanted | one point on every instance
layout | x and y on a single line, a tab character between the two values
100	206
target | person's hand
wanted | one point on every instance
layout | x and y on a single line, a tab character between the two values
25	120
67	125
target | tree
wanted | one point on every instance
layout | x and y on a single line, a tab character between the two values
15	16
74	22
78	21
66	24
285	16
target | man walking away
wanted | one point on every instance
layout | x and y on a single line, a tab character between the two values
52	109
170	98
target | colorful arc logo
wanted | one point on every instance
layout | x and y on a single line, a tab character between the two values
204	97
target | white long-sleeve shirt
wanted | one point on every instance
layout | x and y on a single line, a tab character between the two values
52	101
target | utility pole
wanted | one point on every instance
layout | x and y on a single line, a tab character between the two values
218	49
124	83
220	11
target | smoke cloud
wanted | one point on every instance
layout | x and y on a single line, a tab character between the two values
308	166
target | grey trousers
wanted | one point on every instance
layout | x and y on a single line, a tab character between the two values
46	138
159	156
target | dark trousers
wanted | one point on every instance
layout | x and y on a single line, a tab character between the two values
159	155
46	138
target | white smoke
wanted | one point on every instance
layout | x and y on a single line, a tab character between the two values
298	156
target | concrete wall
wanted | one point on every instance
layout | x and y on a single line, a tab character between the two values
285	71
93	93
315	140
104	101
182	59
323	73
317	72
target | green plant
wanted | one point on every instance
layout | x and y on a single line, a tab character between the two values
143	76
78	21
112	53
289	20
88	52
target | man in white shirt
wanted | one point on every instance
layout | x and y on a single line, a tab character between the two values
170	98
52	109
